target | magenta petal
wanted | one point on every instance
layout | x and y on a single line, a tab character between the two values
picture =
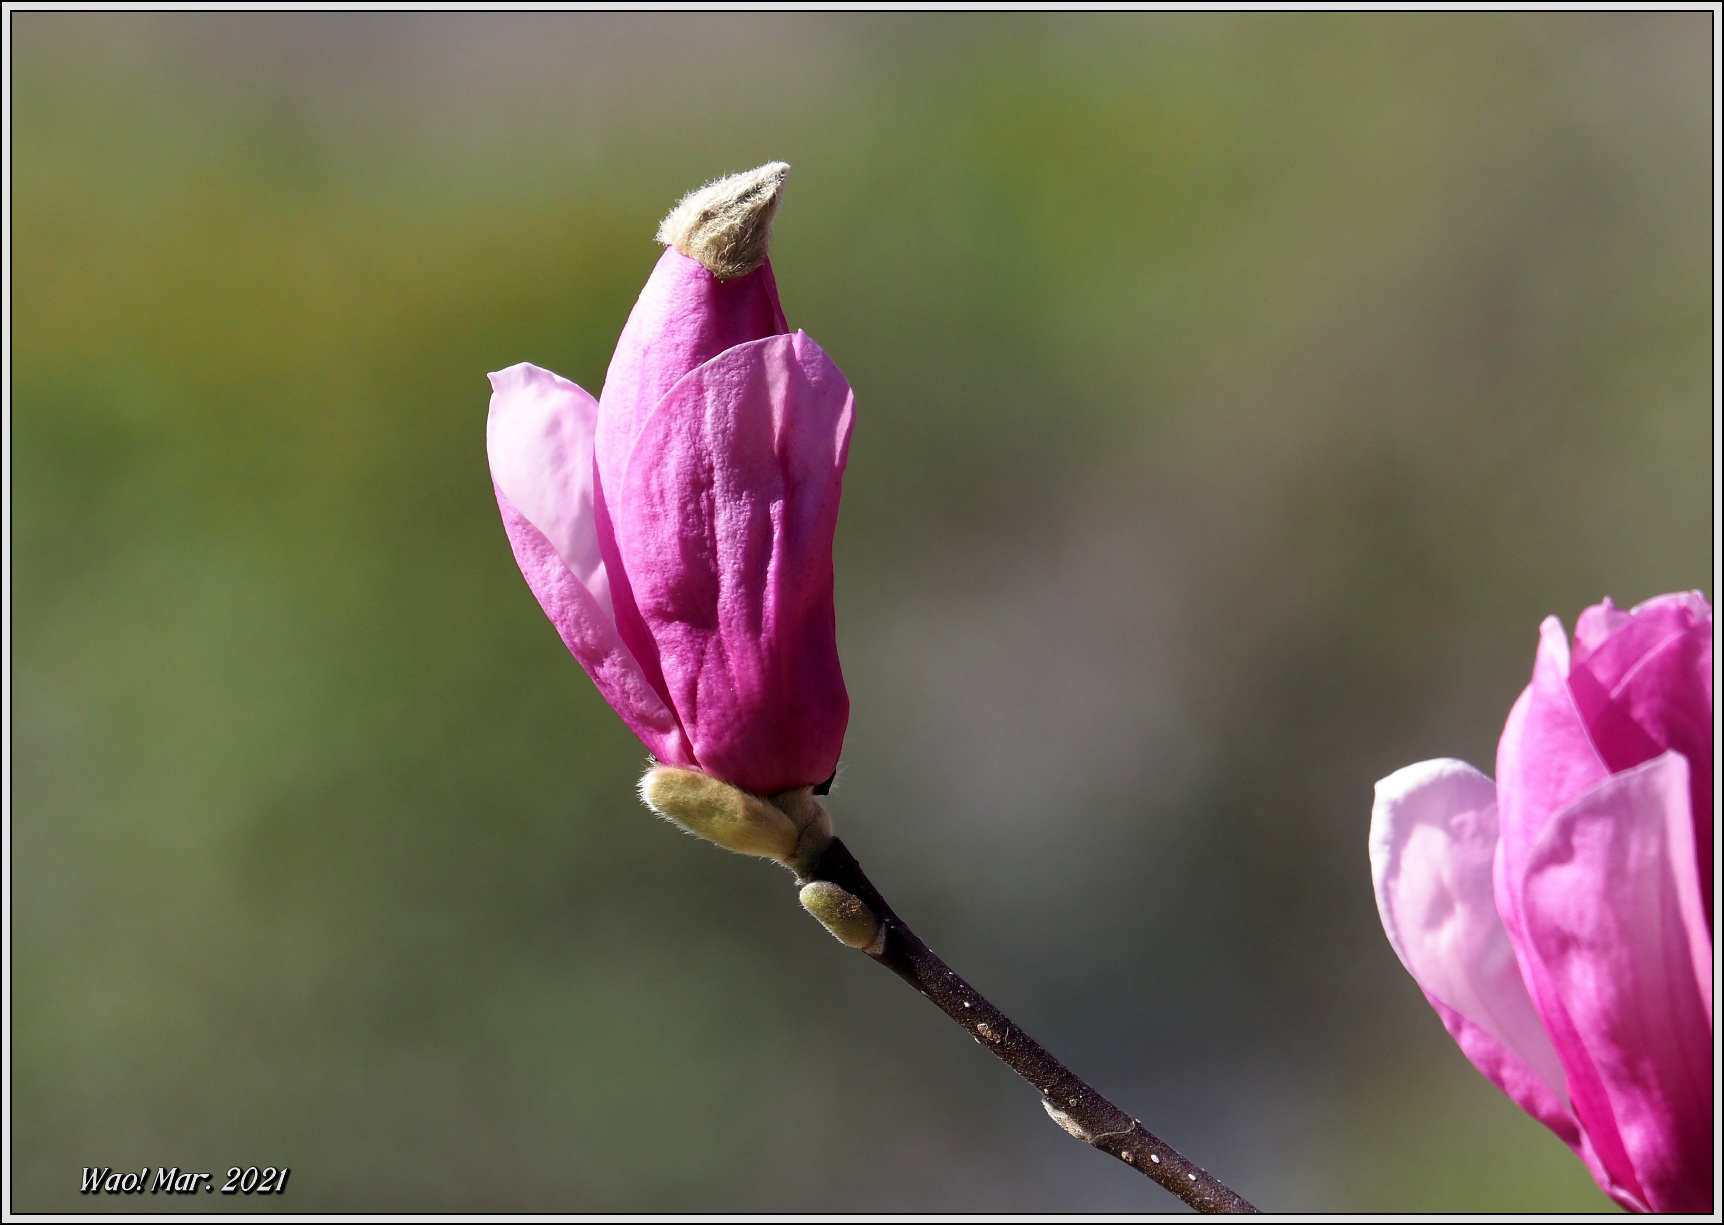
1635	635
683	318
725	525
1433	839
1530	1093
1611	910
1545	758
1647	688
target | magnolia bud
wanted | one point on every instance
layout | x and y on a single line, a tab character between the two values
842	913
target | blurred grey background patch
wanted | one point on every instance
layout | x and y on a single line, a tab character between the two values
1235	394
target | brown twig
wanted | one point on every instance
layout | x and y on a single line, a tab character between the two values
1070	1102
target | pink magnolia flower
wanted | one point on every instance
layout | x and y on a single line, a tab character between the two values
678	530
1560	919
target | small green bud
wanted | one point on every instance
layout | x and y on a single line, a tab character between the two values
720	813
842	913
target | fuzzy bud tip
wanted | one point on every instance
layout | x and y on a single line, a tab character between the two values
727	224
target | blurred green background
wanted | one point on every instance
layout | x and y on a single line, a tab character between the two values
1235	395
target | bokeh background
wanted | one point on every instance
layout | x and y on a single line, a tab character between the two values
1235	394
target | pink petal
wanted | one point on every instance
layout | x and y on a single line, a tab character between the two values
539	430
725	527
1530	1093
1647	688
1433	839
683	318
1633	635
1545	758
1615	925
1595	625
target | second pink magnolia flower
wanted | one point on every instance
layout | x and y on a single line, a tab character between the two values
1560	919
678	530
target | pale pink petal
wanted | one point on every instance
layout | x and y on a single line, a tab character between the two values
1433	838
592	638
539	437
725	528
1612	914
1697	606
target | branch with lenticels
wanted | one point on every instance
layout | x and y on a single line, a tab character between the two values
1070	1102
794	829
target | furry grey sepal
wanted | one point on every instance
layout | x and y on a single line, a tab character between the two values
727	224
